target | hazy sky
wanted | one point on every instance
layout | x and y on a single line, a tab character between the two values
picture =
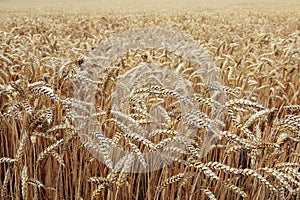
136	4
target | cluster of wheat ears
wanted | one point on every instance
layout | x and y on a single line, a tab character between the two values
252	153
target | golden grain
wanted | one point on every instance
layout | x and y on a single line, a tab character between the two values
254	155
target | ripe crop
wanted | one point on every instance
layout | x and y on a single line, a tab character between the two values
254	153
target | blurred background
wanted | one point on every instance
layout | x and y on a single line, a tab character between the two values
140	5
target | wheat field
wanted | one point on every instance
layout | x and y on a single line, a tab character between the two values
251	151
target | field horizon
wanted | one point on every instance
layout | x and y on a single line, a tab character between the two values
143	5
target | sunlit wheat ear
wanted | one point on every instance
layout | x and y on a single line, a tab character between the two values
282	178
117	175
7	160
14	112
24	182
19	89
117	137
36	183
281	194
235	189
5	184
197	119
162	132
98	180
244	104
36	119
61	127
128	162
134	135
171	180
43	135
202	167
3	76
231	91
222	167
138	153
210	194
96	192
71	136
102	148
263	180
122	179
187	178
257	115
21	149
233	148
249	134
58	157
47	91
286	164
237	139
292	107
49	150
291	123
